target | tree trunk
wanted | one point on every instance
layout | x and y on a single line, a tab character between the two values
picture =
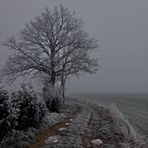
52	79
63	92
53	74
63	81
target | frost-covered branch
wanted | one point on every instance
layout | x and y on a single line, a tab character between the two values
54	43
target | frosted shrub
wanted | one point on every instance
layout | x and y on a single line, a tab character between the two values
54	105
31	111
53	99
7	114
18	112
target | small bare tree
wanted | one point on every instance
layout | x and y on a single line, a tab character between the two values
54	43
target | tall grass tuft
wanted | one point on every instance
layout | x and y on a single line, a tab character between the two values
133	139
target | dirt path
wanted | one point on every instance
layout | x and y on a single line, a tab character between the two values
52	131
89	134
101	126
89	122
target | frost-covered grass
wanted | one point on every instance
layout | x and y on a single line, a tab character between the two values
23	115
21	138
133	139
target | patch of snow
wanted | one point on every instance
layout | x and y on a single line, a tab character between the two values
52	139
67	123
97	142
62	129
56	141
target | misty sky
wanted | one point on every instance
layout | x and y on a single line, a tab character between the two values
120	25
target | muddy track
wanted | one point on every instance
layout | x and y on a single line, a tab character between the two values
40	140
101	126
88	122
88	136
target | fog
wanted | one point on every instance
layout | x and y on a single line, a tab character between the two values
120	26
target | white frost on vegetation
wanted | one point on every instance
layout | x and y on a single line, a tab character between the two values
133	138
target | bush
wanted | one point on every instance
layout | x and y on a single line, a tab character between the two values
7	119
53	99
53	104
31	111
19	111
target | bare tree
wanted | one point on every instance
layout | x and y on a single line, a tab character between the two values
54	43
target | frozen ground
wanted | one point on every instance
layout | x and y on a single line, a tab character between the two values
79	125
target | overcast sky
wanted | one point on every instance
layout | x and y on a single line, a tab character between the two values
120	25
